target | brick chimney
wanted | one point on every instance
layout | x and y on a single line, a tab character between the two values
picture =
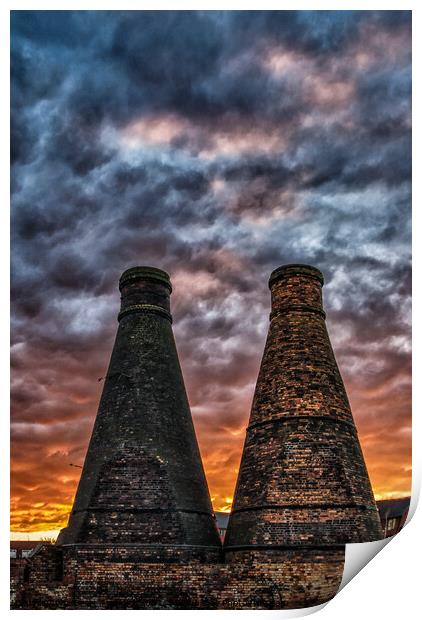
143	482
302	479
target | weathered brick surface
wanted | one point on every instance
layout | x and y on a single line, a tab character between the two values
45	584
302	478
271	580
141	534
143	479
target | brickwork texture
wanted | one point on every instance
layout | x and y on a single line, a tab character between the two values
142	533
302	478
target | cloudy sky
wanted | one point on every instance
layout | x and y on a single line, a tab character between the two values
216	146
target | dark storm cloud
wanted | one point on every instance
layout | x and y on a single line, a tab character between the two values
216	145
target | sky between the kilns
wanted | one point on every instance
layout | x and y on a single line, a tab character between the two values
216	146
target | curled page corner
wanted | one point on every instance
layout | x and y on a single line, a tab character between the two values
358	555
414	499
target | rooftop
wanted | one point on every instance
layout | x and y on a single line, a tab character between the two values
393	507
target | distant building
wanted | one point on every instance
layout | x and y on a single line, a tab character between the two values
222	521
20	550
393	514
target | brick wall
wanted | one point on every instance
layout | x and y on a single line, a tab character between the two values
275	580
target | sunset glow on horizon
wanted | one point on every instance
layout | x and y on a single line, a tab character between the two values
216	146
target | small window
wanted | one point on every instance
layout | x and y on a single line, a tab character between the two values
392	524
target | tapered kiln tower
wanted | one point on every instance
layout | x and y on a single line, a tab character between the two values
143	483
302	479
142	535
